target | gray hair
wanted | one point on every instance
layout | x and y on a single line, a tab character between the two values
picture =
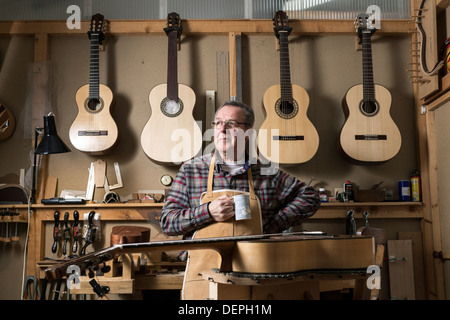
249	115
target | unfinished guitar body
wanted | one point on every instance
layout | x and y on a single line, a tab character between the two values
287	138
171	136
369	138
94	130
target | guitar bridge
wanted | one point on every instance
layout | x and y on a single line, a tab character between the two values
288	138
93	133
370	137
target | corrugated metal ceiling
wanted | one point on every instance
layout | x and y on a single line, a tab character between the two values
200	9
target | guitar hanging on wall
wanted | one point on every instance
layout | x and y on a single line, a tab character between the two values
285	105
171	135
7	122
369	134
94	130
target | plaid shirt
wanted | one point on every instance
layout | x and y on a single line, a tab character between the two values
285	201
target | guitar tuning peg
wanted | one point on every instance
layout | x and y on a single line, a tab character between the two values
105	268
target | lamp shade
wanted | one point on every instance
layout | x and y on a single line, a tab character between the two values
51	142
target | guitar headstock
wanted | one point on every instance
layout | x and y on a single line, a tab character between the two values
173	23
97	26
363	24
281	23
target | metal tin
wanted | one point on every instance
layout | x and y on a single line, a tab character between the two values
404	190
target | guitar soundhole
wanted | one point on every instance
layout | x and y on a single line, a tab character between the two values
286	109
171	108
94	105
369	108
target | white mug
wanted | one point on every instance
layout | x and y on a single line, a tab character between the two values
242	207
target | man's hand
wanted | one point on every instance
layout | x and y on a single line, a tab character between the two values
222	208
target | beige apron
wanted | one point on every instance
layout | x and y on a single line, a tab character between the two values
194	286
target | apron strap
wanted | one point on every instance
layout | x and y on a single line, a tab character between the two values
209	192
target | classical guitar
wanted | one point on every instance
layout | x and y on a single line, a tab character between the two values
7	122
94	130
369	134
286	136
171	135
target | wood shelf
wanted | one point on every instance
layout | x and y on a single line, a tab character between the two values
200	27
327	210
383	210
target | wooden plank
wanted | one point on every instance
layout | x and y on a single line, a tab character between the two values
50	187
438	102
223	77
419	273
170	281
199	26
401	270
234	40
116	285
429	261
441	5
434	201
433	180
381	210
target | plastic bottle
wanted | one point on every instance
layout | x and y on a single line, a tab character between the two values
322	195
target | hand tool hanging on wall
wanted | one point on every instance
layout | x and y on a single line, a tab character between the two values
90	234
55	231
350	226
5	231
76	231
31	289
2	214
66	233
15	220
366	218
7	222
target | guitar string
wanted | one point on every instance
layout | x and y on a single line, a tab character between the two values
368	83
286	86
94	78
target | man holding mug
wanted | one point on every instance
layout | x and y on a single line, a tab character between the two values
283	200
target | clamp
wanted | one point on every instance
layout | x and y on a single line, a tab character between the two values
66	232
76	231
90	234
55	231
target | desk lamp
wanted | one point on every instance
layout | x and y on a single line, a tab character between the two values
51	143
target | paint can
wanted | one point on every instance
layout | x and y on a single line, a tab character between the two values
416	194
404	190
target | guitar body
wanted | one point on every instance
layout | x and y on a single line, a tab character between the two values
7	123
373	137
301	139
94	130
167	137
194	286
280	254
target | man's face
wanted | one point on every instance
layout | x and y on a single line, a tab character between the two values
225	136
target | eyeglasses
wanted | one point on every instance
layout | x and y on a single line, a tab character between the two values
228	124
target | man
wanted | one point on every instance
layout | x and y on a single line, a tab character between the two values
284	200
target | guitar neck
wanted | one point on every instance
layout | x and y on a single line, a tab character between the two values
285	68
172	66
368	83
222	245
94	77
